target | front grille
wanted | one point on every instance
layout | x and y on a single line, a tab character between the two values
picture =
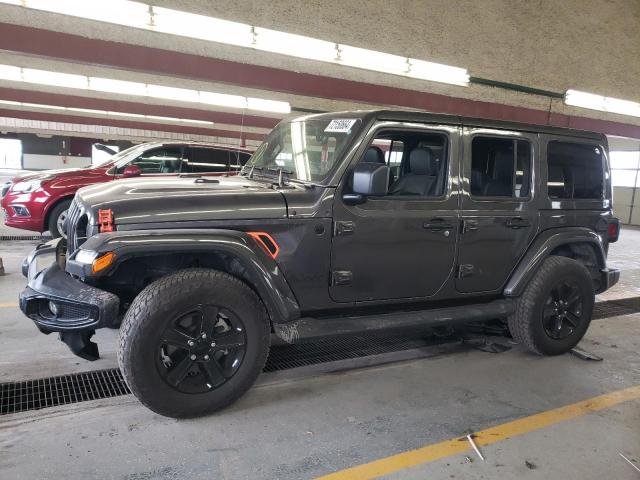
73	215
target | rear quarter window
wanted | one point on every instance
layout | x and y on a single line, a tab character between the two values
575	171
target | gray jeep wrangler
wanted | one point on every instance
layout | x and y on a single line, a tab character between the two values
338	223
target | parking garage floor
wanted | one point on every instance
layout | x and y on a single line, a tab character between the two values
397	416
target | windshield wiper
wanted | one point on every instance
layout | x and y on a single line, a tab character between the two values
304	183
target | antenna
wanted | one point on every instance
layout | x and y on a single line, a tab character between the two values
241	138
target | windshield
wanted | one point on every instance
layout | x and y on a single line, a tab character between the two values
126	154
304	150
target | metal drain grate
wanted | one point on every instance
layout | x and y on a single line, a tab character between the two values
6	238
614	308
49	392
79	387
283	357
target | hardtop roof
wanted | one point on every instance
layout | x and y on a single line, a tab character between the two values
429	117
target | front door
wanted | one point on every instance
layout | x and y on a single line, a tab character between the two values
498	216
401	245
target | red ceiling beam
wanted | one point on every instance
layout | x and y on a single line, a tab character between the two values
30	96
33	41
65	118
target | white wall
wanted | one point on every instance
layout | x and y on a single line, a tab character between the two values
625	168
48	162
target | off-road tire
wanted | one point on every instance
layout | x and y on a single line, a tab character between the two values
526	323
155	307
52	223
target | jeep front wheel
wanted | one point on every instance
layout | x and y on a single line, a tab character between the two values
554	312
193	342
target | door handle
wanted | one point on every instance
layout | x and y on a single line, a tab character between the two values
437	225
517	222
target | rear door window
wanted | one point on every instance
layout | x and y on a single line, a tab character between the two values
574	171
158	160
500	167
207	160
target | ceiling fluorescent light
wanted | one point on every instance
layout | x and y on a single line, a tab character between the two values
223	100
268	105
294	45
122	12
173	93
9	102
123	114
86	110
372	60
54	79
9	72
623	107
182	120
122	87
585	100
186	24
438	72
592	101
40	105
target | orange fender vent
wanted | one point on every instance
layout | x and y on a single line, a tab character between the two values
267	242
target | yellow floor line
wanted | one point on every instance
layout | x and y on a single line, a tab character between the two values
8	305
429	453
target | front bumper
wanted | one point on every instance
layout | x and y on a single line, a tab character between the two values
33	203
610	277
58	302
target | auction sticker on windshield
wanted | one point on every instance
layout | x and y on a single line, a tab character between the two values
340	125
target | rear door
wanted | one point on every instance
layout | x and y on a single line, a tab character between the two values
499	218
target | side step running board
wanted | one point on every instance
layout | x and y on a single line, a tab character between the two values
308	327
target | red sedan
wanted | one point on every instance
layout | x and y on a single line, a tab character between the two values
39	201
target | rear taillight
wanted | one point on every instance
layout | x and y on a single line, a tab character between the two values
613	230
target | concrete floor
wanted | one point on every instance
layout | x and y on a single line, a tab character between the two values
302	424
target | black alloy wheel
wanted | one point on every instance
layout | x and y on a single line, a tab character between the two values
202	349
562	313
554	311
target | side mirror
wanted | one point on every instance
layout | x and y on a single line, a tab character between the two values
131	171
371	179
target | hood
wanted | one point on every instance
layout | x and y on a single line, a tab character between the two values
51	174
189	199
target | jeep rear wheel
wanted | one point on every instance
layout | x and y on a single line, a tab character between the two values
193	342
554	312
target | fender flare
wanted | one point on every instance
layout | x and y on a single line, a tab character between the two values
542	247
264	274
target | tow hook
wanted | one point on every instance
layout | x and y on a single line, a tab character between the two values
80	343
